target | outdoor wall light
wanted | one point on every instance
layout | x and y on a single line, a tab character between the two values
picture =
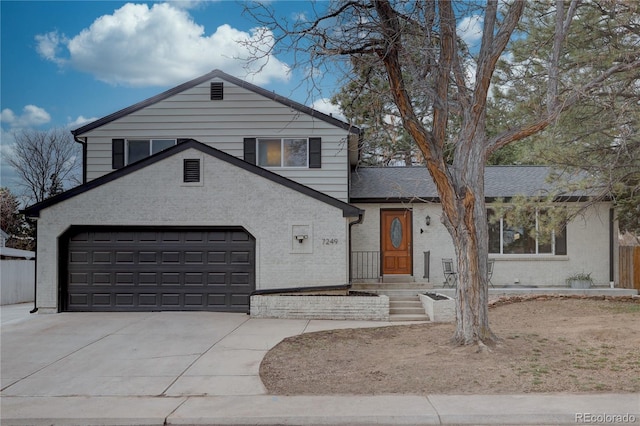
301	238
428	220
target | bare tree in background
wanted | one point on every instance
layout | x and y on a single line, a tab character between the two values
47	162
440	90
15	224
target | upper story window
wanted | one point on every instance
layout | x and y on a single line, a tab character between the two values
137	149
524	239
285	152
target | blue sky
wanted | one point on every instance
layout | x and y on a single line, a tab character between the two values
66	63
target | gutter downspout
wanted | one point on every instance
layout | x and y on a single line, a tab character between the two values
612	246
84	155
35	273
355	222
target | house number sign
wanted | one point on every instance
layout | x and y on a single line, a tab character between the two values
329	241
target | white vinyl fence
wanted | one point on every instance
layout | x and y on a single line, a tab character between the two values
17	278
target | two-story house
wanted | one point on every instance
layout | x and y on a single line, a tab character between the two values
199	196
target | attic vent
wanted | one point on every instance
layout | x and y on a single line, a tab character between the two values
191	170
217	92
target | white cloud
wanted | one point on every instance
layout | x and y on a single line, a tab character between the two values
49	46
470	30
80	121
324	105
8	177
160	45
31	116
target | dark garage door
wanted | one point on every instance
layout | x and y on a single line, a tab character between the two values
151	269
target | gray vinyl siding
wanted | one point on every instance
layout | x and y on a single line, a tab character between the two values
224	125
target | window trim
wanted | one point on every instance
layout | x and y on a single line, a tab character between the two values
150	140
282	139
537	254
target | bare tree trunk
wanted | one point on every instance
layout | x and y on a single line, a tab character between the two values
466	220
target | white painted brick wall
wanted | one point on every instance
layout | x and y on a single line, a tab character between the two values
439	310
587	244
321	307
229	197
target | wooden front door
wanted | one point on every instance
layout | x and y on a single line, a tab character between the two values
395	240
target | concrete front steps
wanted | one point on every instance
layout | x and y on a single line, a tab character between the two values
406	308
404	303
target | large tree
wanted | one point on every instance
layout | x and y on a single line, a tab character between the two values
440	90
599	136
46	161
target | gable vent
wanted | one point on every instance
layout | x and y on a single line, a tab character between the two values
217	91
191	170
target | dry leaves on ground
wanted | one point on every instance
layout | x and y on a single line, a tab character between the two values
556	344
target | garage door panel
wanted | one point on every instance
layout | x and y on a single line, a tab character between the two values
143	270
170	257
78	278
127	299
125	278
79	300
101	299
194	300
170	278
79	257
101	279
148	299
239	299
147	278
103	257
194	257
194	279
240	278
171	300
147	257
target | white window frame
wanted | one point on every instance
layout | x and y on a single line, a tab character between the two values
537	252
282	141
150	140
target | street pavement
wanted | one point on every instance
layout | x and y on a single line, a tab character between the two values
202	368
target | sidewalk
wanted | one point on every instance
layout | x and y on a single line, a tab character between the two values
199	368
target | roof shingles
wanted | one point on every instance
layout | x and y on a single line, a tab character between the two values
407	183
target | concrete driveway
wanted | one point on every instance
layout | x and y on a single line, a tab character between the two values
140	354
182	368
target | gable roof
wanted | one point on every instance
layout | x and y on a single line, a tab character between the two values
347	209
226	77
411	183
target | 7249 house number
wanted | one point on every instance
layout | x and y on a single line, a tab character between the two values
329	241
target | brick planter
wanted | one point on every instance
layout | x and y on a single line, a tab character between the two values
439	310
369	308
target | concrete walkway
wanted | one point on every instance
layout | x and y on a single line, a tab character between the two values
201	368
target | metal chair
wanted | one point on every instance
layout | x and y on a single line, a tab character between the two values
450	274
490	271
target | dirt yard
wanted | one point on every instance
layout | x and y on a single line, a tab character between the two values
548	344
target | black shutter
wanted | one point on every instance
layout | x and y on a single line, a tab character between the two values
315	153
117	153
183	140
191	170
250	150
